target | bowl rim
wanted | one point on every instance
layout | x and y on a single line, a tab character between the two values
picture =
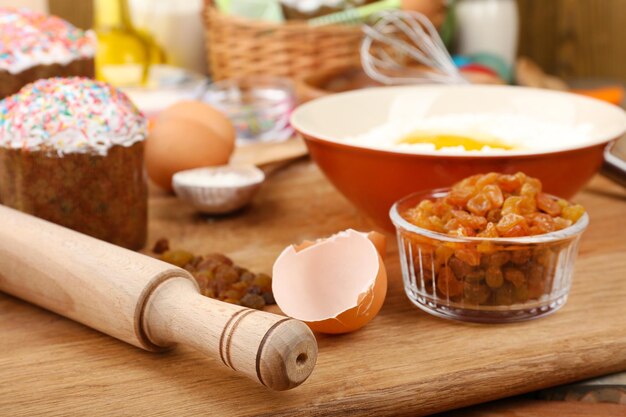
309	135
402	224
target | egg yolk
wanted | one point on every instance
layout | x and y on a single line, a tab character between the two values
445	140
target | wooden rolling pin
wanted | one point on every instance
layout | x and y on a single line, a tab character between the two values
146	302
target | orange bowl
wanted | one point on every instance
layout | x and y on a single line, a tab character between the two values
374	178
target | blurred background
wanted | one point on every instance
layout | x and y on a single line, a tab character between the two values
162	51
568	38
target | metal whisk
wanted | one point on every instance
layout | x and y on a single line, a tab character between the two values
398	37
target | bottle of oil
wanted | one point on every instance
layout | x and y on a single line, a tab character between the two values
124	54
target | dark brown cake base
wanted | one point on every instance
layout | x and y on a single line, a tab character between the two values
11	83
102	196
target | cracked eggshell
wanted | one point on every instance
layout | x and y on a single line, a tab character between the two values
334	285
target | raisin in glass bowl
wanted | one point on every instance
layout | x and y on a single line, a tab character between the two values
489	280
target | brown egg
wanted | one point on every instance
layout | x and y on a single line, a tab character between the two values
203	113
190	134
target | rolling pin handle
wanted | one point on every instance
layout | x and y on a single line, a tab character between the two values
276	351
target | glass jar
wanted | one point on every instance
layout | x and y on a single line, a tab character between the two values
491	280
258	106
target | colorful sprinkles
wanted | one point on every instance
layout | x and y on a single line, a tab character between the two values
29	38
70	115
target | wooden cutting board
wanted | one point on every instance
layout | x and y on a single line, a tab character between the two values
404	362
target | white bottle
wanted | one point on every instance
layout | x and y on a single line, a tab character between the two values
177	27
488	26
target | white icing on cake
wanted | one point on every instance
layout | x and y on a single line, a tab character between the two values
29	38
70	115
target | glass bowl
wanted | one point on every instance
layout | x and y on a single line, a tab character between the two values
258	106
488	280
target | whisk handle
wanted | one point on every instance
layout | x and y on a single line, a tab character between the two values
356	15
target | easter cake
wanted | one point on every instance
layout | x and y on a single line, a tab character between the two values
71	152
34	45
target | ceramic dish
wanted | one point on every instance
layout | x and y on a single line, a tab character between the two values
166	85
218	190
373	179
536	270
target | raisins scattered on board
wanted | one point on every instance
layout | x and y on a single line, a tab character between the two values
218	277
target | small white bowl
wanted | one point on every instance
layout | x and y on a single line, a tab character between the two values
218	190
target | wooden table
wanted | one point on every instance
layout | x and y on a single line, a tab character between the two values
404	362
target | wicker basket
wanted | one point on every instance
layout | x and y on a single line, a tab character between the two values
237	47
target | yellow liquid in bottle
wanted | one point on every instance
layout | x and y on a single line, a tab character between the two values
124	54
446	140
